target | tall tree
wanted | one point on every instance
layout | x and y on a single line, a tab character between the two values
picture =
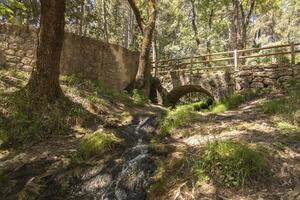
44	85
142	79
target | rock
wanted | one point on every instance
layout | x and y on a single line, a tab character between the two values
284	79
257	85
269	82
26	61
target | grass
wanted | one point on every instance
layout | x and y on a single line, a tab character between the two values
97	144
287	128
234	101
229	163
85	100
139	98
180	116
286	107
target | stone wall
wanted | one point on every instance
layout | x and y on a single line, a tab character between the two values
86	57
268	76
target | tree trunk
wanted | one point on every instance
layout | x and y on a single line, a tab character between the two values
43	86
142	79
104	15
154	53
194	25
137	13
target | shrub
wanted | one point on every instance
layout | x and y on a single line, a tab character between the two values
97	144
219	108
229	163
180	116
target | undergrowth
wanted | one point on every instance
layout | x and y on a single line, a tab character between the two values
234	101
97	144
286	107
18	125
180	116
229	163
139	98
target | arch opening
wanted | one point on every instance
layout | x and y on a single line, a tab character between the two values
182	94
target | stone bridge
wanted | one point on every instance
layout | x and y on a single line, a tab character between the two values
220	82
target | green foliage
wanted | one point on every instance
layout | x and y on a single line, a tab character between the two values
219	108
202	105
19	126
229	163
139	98
233	101
287	128
180	116
94	88
288	106
97	144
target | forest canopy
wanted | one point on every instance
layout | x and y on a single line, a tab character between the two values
183	27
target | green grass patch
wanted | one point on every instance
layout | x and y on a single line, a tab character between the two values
180	116
97	144
286	107
229	163
18	126
139	98
287	128
234	101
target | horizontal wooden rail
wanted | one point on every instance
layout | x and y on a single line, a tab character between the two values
206	58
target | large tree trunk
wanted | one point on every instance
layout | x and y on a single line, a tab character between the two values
43	85
142	79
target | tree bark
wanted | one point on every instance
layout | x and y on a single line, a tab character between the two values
142	79
137	14
104	16
194	25
43	86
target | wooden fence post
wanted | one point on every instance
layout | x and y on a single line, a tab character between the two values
292	53
235	52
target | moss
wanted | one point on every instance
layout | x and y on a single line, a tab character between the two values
229	163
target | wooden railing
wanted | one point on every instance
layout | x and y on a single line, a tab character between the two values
235	59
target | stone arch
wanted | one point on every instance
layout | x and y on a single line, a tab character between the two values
175	94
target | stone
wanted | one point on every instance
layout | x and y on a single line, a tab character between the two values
14	59
269	82
10	64
3	45
257	85
27	68
20	53
284	79
244	73
10	52
26	61
13	46
30	53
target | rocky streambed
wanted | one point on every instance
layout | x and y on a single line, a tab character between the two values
121	175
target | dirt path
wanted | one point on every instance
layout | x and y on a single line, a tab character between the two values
250	125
